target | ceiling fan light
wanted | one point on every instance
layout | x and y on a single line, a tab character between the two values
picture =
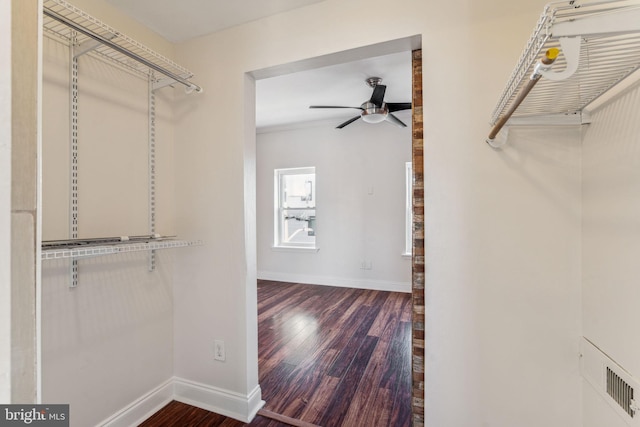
374	117
371	113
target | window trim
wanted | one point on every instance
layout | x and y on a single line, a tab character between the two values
278	243
408	227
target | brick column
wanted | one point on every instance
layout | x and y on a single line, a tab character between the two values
417	342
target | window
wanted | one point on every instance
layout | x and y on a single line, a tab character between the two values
295	208
408	241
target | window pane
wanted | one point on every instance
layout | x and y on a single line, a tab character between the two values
298	191
295	201
298	226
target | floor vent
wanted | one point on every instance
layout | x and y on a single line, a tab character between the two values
620	391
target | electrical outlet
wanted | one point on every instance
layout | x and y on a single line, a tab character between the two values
218	350
366	265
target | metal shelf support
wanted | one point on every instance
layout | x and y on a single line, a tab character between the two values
73	173
152	169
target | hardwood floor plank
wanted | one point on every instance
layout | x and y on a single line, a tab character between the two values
394	309
340	402
276	384
287	420
320	399
177	413
304	381
402	411
349	344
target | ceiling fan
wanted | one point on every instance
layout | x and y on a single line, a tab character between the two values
375	110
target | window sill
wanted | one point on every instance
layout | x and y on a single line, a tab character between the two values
299	249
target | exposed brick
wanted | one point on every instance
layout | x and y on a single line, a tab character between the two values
418	263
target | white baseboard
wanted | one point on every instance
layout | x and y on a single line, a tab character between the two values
142	408
223	402
376	285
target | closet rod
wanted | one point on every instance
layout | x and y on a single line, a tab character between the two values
549	58
114	46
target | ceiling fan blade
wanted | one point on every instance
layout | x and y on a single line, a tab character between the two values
378	95
333	106
398	106
347	122
396	121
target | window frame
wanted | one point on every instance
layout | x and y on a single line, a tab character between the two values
408	228
280	208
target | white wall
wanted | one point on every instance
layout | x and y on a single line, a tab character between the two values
109	341
5	201
25	116
352	225
611	236
502	227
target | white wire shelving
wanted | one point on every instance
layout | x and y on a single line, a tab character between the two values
73	26
607	33
99	249
84	34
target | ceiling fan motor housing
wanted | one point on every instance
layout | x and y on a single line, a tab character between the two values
371	113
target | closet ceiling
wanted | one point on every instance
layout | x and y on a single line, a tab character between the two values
182	20
284	100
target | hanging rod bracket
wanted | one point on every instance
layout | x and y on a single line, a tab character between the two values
570	47
500	139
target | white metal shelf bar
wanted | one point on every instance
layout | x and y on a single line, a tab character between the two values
610	36
88	251
60	17
73	151
151	153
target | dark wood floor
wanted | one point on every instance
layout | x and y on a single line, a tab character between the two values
328	356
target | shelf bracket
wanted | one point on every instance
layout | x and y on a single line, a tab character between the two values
613	22
159	84
88	46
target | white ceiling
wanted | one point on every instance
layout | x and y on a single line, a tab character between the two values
180	20
283	100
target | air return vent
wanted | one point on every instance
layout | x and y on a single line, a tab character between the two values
615	385
620	391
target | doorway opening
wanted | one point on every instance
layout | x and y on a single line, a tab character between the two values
416	372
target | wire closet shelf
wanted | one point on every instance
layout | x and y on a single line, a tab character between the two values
608	50
97	247
69	24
